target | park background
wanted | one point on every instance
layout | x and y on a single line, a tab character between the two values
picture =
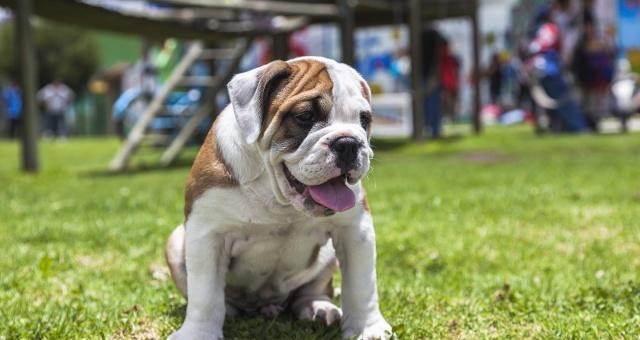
496	232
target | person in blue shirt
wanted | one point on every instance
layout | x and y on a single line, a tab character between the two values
12	100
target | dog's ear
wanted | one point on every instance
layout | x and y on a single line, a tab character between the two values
250	93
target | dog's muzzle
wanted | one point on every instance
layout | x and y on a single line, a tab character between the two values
346	150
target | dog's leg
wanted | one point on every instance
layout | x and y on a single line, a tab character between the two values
206	263
356	250
313	300
174	254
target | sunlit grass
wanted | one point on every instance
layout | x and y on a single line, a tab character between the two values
502	235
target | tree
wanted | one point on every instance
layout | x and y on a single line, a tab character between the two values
64	52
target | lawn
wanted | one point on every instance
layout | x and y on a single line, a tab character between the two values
503	235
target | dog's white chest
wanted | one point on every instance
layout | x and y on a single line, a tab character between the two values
266	267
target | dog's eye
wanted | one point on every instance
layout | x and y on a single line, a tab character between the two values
365	120
304	118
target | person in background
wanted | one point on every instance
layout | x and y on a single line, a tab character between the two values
432	42
545	49
12	100
56	98
587	15
450	80
565	15
593	68
495	79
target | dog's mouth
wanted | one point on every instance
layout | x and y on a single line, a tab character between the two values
333	194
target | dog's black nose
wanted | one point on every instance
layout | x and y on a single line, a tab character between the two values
346	150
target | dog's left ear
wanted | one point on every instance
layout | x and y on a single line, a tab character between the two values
366	90
250	92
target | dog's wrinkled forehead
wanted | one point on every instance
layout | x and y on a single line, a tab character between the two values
265	98
351	93
308	88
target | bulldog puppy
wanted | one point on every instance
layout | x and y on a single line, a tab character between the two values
274	201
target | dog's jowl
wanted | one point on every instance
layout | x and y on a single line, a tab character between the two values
274	204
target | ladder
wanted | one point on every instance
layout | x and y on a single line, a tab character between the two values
178	77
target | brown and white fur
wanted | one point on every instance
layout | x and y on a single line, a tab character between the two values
253	244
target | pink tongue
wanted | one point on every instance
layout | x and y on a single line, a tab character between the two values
333	194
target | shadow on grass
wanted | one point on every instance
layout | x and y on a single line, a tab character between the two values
450	139
390	144
615	134
285	327
139	169
178	311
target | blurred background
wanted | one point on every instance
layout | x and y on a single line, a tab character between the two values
153	72
504	188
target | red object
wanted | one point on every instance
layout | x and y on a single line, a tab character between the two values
297	43
547	38
448	71
265	55
529	117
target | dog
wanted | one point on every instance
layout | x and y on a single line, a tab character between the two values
274	202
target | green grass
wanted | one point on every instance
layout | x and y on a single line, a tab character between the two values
503	235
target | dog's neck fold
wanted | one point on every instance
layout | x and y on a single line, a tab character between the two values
250	163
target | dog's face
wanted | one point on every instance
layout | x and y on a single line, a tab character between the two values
310	118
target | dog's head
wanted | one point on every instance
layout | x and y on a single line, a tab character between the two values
310	119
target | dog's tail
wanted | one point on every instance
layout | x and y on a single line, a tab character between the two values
175	256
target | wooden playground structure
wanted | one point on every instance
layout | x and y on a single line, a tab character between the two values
233	24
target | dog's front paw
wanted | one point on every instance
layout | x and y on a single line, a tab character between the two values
193	333
324	311
379	330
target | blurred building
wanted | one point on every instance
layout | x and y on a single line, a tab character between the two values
4	15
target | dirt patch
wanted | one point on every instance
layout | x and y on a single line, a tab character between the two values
89	261
159	271
142	330
454	329
503	293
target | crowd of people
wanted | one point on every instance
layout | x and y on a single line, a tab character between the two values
55	100
562	71
560	75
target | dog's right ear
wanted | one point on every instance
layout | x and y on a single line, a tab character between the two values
250	92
